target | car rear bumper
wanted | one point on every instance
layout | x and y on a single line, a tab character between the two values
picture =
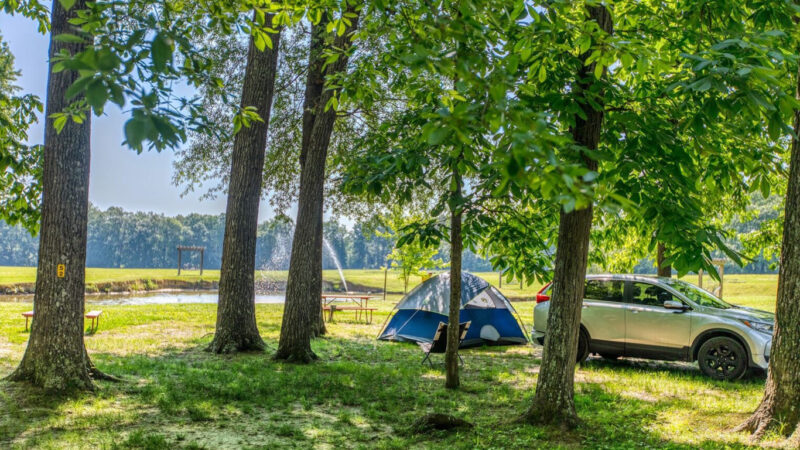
538	337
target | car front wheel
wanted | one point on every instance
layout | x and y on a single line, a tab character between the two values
722	358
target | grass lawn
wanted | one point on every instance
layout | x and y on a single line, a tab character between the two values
15	275
361	394
760	289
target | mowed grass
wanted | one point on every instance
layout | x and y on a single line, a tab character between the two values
759	290
13	275
362	393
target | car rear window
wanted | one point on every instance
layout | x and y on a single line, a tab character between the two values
607	290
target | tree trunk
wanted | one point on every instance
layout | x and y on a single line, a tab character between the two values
554	401
315	83
451	353
780	407
303	310
664	270
236	313
56	357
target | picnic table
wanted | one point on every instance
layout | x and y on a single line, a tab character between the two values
360	305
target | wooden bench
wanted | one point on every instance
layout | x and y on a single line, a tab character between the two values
94	315
356	309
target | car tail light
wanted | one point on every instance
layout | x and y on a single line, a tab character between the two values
541	296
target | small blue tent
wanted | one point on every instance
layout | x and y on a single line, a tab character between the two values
418	314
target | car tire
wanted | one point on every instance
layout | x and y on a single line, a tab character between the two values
583	347
723	358
609	356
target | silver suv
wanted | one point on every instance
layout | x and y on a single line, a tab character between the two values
666	319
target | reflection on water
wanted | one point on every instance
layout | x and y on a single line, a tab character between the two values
152	298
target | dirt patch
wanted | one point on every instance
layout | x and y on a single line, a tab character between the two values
437	421
150	338
6	350
298	427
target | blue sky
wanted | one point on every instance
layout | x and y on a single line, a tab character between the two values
119	177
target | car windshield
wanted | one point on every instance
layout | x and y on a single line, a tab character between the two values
698	295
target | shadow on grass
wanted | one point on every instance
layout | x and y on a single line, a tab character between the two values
362	392
32	417
681	370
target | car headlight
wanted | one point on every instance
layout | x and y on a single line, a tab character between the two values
763	327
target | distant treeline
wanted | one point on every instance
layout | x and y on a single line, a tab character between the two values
119	238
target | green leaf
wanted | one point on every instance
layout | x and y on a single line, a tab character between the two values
78	86
59	121
438	135
598	71
627	60
262	40
107	60
67	4
765	187
584	43
69	38
161	51
96	96
136	130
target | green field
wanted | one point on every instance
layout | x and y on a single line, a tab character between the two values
758	289
12	275
363	393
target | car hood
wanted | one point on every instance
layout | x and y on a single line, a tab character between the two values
744	313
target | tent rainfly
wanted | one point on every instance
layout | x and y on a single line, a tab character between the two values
418	314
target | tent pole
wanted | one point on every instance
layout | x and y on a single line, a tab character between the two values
524	329
515	313
383	327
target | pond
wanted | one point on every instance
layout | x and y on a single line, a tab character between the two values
151	298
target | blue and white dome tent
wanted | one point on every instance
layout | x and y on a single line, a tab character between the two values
418	314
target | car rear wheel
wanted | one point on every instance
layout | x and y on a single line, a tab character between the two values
722	358
583	347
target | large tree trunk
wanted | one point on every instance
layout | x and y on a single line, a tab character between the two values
236	314
315	83
554	401
664	270
780	407
451	352
302	313
56	357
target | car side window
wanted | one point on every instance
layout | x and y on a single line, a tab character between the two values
607	290
645	294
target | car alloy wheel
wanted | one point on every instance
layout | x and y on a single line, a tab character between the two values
722	358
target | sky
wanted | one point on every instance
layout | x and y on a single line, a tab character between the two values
119	176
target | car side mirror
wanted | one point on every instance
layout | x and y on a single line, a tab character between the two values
672	304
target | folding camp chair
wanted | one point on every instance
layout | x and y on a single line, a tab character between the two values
439	343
